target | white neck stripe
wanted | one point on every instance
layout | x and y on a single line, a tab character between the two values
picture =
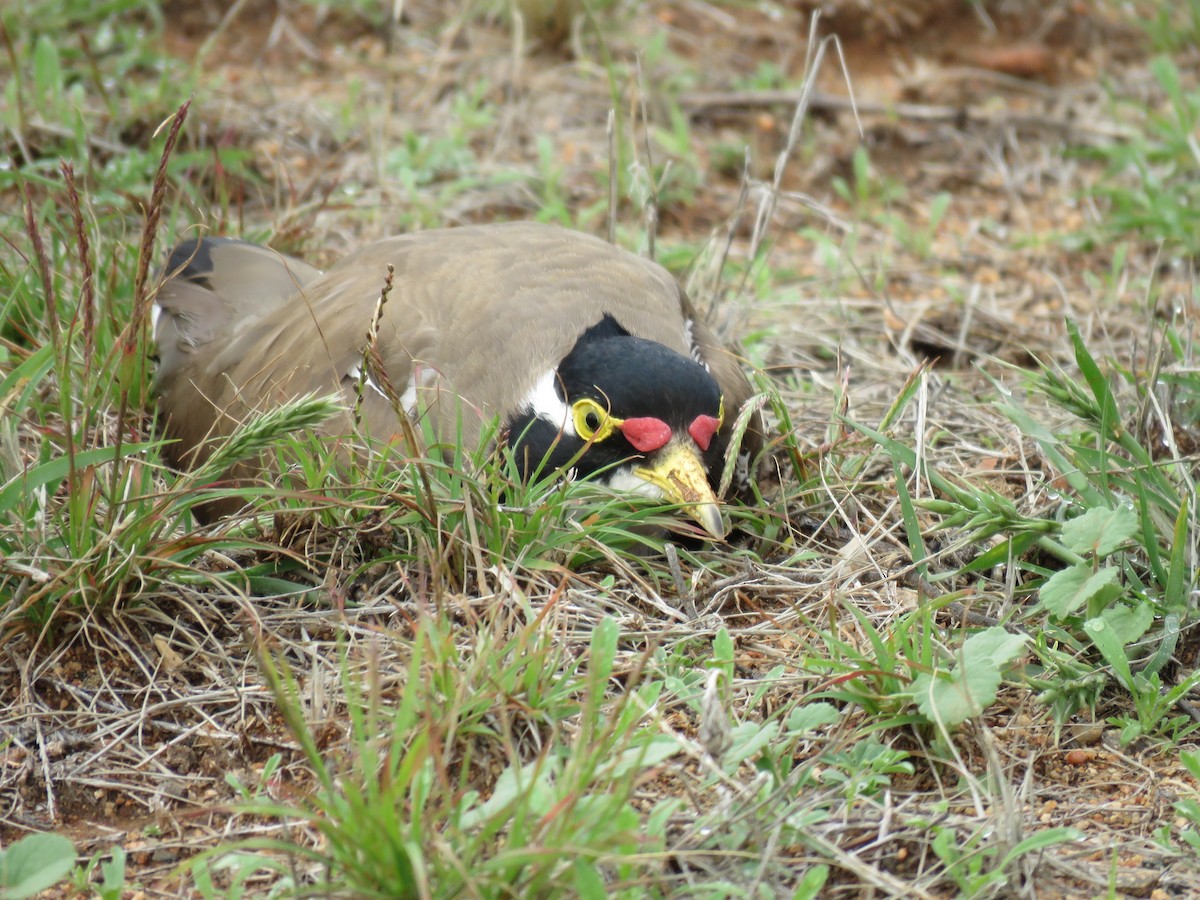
543	401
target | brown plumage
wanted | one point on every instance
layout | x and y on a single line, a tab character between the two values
476	319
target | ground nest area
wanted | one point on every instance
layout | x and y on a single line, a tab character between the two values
948	647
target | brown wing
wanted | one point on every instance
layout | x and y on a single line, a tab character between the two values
479	313
214	290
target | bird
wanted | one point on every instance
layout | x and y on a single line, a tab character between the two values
591	357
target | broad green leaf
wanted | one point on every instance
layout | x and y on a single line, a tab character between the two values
1067	590
1100	530
660	816
1191	761
1041	840
589	883
112	885
748	739
47	70
525	787
1111	647
33	864
811	715
811	884
950	698
995	643
658	748
1128	623
1003	553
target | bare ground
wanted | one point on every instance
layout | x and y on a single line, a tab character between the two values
126	731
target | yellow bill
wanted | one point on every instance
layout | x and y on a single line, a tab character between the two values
680	474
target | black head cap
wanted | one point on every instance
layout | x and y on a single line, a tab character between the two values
630	377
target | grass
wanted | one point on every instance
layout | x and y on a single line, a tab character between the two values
557	819
1151	189
415	675
1113	563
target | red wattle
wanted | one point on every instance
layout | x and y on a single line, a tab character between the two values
702	430
646	433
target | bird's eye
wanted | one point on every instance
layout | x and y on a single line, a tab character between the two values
592	421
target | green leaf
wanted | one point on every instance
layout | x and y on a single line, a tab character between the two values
657	749
748	739
1100	531
1003	553
1175	591
1041	840
1149	537
912	525
938	208
602	654
523	790
1128	623
1111	647
811	884
47	70
660	816
113	872
1130	733
950	698
589	883
722	653
1096	381
811	715
33	864
52	471
1064	592
1191	761
19	384
1167	75
1050	445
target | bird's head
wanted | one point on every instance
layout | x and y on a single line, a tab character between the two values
632	414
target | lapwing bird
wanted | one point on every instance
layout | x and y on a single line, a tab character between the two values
592	358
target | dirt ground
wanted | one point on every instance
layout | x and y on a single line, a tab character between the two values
988	103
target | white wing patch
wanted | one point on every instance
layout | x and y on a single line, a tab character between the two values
422	377
356	375
690	339
543	401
